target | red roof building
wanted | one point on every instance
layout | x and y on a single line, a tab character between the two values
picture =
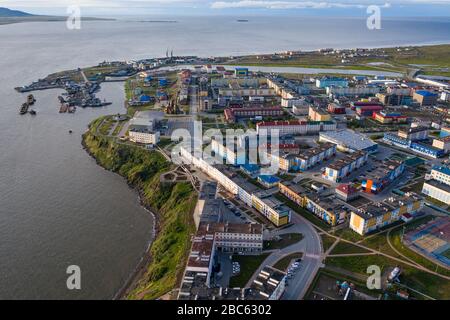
346	192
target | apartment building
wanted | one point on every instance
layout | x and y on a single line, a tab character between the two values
296	127
311	157
437	186
385	172
318	114
343	167
266	205
143	134
375	216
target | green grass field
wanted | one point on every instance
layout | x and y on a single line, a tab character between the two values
347	248
285	241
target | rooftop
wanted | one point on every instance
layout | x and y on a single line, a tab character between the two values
265	283
341	163
439	185
426	93
269	179
346	188
383	169
309	153
349	138
372	210
442	169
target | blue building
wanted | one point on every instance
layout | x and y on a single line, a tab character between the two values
331	82
241	72
268	181
427	150
251	170
145	98
163	82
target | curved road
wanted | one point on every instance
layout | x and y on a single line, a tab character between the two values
311	247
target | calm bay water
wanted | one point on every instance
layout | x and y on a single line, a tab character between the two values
57	207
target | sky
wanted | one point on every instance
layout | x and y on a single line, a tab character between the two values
415	8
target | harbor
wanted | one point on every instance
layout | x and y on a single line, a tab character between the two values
80	91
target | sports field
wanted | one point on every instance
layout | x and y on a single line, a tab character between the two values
432	239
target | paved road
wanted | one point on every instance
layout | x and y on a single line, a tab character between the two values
311	247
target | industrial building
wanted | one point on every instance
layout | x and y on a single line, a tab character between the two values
384	173
241	72
349	141
367	110
418	147
268	181
375	216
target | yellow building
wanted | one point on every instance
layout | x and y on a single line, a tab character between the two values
318	114
373	217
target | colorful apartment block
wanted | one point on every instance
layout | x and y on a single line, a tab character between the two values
375	216
326	208
344	167
382	175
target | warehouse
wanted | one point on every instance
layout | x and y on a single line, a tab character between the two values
349	141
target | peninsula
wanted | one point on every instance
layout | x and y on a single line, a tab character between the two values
362	169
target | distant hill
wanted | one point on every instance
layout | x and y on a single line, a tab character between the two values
5	12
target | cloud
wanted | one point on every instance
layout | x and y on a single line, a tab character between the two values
261	4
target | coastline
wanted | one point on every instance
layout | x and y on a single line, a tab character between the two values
146	258
158	271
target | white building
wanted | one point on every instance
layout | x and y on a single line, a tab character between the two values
442	143
296	126
349	141
438	184
143	134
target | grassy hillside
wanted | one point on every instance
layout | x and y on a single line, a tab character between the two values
173	205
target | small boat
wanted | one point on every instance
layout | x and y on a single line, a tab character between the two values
24	108
70	131
32	112
31	100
